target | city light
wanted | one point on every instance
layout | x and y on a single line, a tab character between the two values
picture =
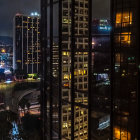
8	82
93	43
3	51
105	28
35	14
7	72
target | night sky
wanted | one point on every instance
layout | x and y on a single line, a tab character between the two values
8	8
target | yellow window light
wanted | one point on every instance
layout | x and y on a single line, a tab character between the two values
121	134
125	18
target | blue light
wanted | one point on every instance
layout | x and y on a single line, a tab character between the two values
15	132
105	28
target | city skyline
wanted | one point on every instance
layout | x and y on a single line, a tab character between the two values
28	6
76	70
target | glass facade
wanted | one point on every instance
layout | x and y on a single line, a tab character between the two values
67	49
125	69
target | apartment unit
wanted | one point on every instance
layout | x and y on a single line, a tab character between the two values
26	44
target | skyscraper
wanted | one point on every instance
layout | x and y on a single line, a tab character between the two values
26	43
72	84
79	64
125	69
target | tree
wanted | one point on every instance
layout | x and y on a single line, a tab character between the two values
6	120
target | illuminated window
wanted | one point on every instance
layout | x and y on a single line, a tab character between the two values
65	125
66	20
121	134
66	53
125	19
118	18
66	77
125	38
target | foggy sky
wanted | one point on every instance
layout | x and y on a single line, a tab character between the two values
8	8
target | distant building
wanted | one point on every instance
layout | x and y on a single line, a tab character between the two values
55	60
6	56
101	26
26	43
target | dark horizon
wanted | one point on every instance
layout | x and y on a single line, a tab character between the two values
100	10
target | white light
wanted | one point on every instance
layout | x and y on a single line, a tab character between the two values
32	14
7	72
8	82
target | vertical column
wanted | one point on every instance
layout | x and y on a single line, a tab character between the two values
89	67
51	68
138	94
22	46
43	39
72	65
27	46
112	68
60	67
37	45
32	47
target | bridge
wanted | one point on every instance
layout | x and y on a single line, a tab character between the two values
15	91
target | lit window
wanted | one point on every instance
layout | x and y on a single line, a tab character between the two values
66	77
125	37
66	53
65	125
121	134
125	19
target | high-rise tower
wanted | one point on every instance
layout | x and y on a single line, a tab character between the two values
68	92
27	43
125	69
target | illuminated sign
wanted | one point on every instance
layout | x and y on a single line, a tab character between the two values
105	28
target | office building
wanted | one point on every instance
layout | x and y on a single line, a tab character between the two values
72	85
80	69
125	70
26	43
